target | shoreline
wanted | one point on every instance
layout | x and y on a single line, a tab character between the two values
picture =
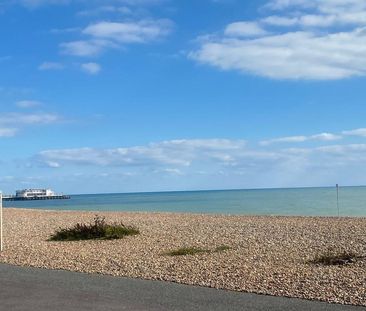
97	212
267	255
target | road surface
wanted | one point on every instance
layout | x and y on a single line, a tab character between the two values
49	290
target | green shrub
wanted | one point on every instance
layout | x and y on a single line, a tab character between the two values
98	229
119	231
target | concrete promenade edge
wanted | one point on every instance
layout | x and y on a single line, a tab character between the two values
23	288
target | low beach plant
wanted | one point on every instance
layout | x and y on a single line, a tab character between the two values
222	248
98	229
334	257
195	250
187	251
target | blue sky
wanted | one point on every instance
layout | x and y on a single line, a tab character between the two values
155	95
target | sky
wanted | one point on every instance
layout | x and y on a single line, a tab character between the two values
106	96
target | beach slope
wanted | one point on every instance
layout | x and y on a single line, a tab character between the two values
267	255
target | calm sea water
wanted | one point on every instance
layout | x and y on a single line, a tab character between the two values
299	201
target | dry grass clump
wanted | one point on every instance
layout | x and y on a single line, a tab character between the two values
98	229
187	251
334	257
222	248
194	250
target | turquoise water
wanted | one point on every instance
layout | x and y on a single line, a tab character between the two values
297	201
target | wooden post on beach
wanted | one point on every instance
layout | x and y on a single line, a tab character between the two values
337	186
1	221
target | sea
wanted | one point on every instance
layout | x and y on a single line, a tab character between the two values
286	202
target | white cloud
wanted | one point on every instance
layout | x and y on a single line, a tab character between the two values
208	163
176	152
357	132
219	162
37	3
141	2
314	51
52	164
11	123
313	20
297	55
50	66
137	32
185	153
8	132
329	6
290	139
300	139
33	4
124	10
280	20
28	103
326	137
64	30
244	29
27	119
85	47
130	32
103	35
172	171
91	68
106	34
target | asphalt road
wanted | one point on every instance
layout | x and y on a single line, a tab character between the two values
49	290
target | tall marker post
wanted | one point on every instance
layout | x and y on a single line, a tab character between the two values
1	221
337	186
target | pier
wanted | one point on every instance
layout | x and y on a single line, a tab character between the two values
33	198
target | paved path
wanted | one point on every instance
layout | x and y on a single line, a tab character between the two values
49	290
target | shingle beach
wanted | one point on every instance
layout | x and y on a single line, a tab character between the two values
267	255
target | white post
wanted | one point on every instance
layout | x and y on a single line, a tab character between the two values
1	222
